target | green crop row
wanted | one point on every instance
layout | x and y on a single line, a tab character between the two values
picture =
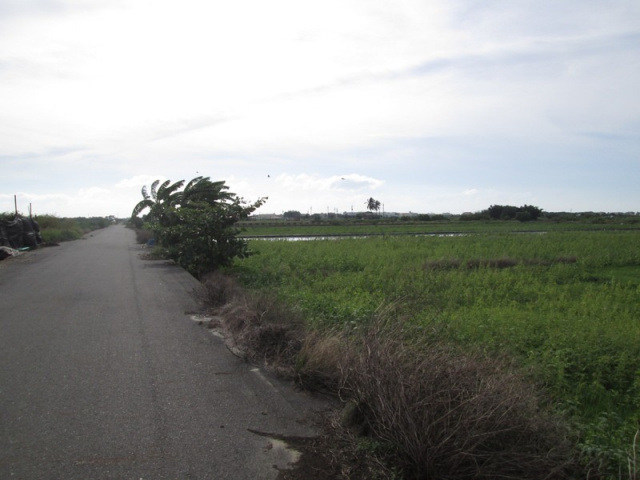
566	305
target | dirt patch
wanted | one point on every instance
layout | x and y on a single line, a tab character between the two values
334	454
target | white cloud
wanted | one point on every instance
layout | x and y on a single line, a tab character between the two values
317	183
92	192
138	181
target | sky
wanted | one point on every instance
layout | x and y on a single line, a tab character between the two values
427	106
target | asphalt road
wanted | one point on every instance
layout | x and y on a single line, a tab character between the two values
103	374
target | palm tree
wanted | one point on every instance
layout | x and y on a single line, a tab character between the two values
162	202
201	192
372	204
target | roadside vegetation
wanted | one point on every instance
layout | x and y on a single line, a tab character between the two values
556	313
194	224
509	351
54	229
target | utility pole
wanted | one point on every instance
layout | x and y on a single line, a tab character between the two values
15	203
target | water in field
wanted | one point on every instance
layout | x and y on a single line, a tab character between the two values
306	238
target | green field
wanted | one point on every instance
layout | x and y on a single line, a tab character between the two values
564	304
387	226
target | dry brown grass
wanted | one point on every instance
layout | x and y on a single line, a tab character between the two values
427	408
259	327
218	290
451	414
143	236
316	366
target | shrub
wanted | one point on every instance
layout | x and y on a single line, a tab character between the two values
143	235
136	222
55	235
258	326
196	225
205	239
449	413
218	290
59	229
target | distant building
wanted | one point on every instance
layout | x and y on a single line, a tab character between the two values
266	216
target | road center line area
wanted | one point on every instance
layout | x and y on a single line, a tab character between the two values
104	376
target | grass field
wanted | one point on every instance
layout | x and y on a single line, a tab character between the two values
382	226
564	304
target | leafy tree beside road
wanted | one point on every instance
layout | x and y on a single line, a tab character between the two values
196	226
162	204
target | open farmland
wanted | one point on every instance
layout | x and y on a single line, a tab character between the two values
565	305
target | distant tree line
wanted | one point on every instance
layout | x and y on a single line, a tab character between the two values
525	213
292	215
